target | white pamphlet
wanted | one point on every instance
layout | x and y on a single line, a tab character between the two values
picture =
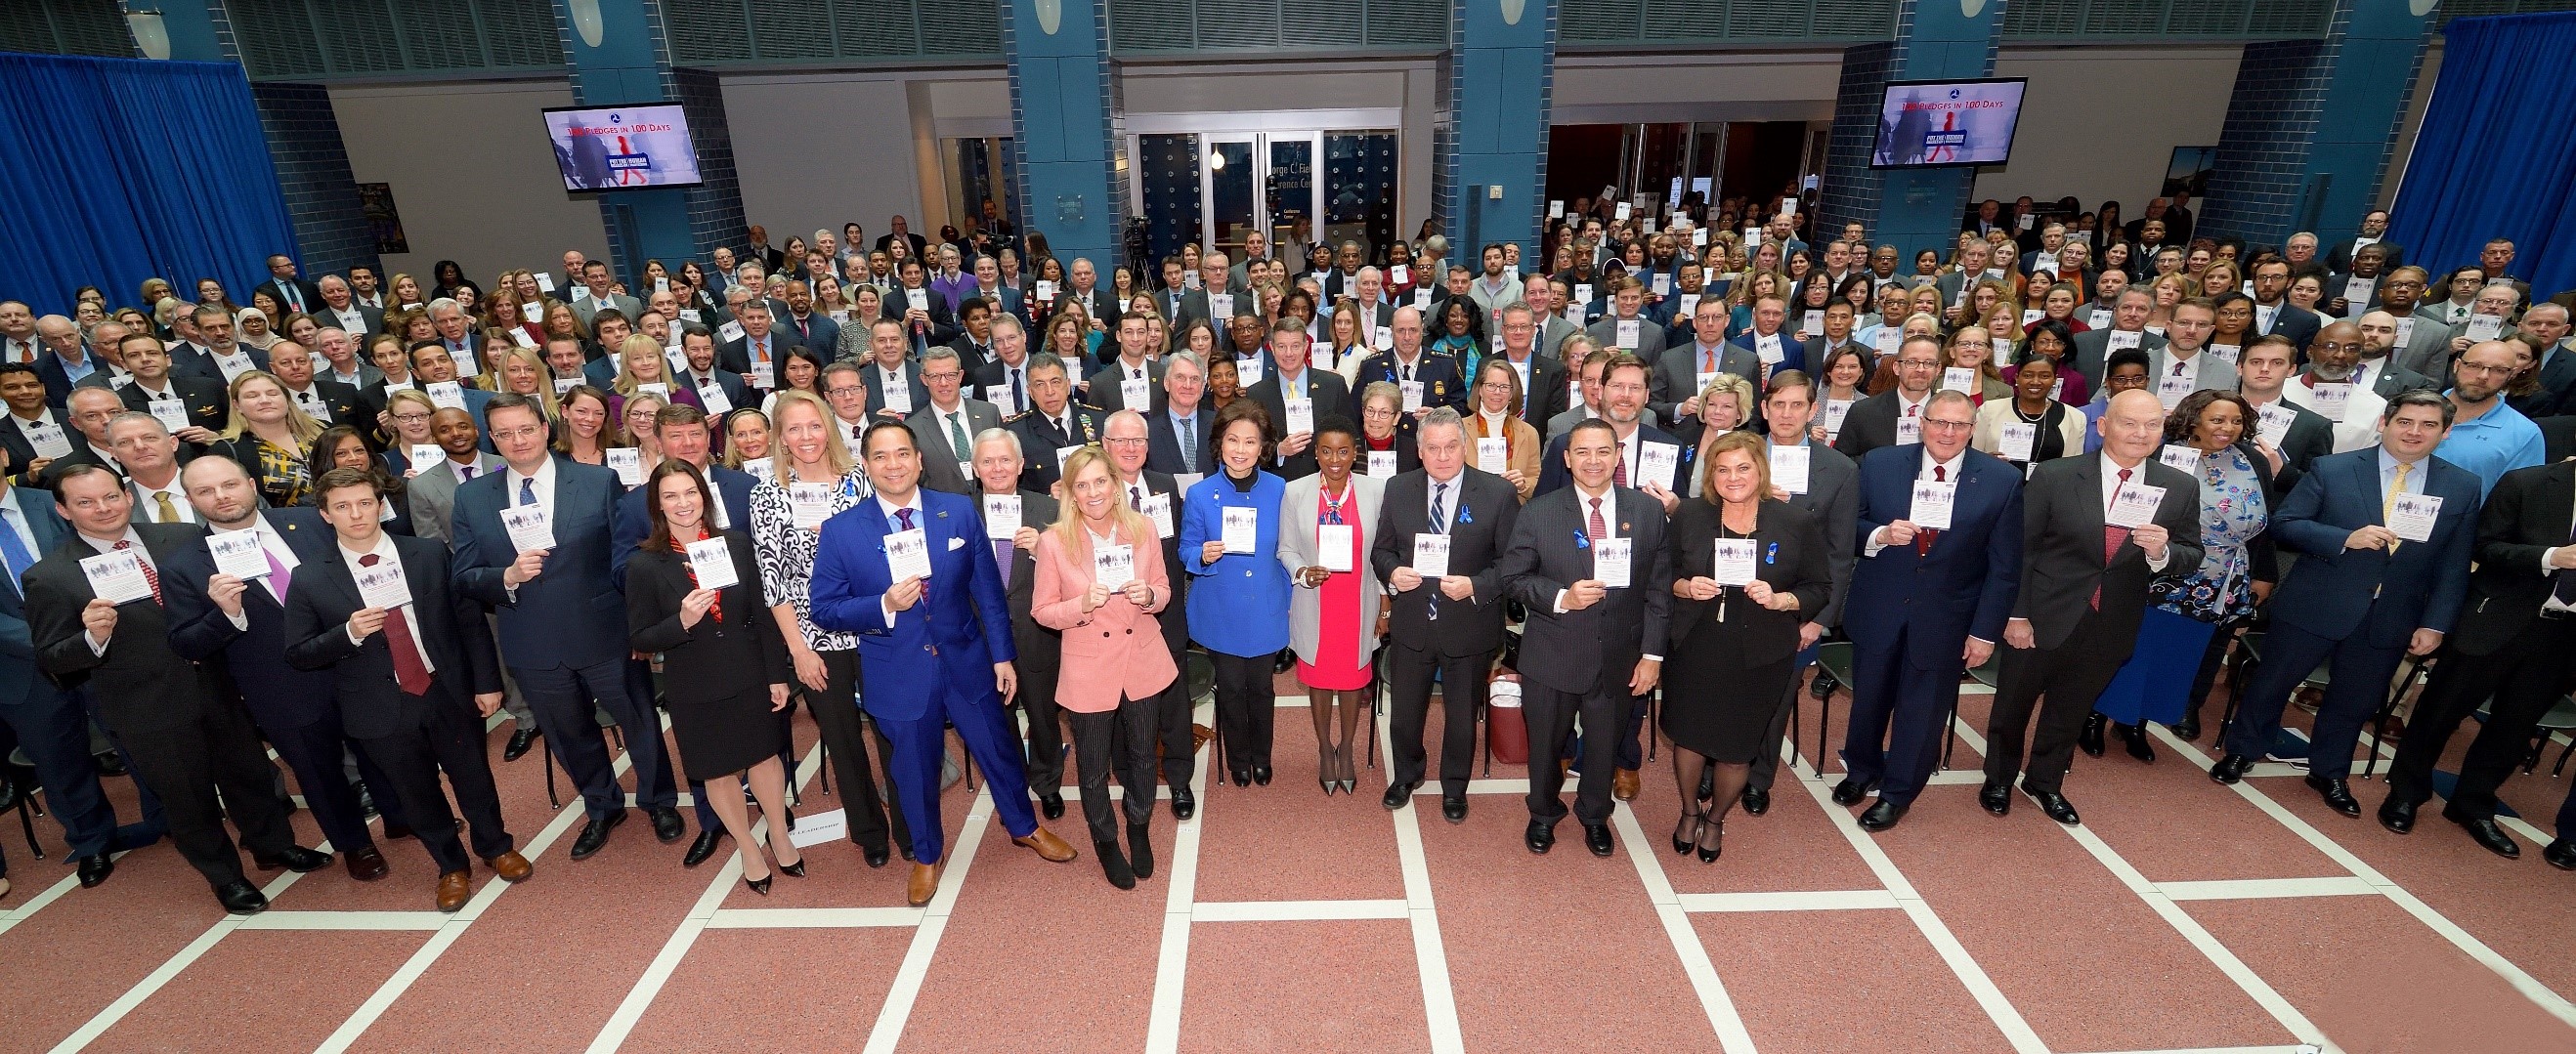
1333	545
1242	529
2178	456
1381	464
117	577
1301	416
2411	516
426	456
1909	429
898	398
1628	330
172	413
809	503
1220	306
446	395
47	438
1959	379
712	559
1932	501
1812	323
917	299
2123	339
629	463
1610	561
1412	395
1493	455
2134	505
234	365
1001	516
1656	463
529	527
466	364
2356	295
712	396
238	553
1113	565
1835	411
1158	508
2227	353
1431	556
1734	566
2099	319
2171	391
2330	399
382	586
2483	327
2019	439
2272	423
1135	393
907	555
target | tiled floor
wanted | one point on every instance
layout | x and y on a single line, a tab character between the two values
2182	916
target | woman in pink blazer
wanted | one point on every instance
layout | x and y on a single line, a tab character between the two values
1114	662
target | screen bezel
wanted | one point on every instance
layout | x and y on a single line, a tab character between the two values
2012	141
562	178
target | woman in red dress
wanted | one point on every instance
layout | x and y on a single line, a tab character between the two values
1332	614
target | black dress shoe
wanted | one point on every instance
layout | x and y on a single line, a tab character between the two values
1261	775
2561	854
2053	804
1398	796
1242	777
1881	815
1454	809
594	834
94	870
108	764
8	793
2187	729
2091	738
2490	837
666	824
2231	768
1052	804
1996	798
1756	800
906	849
1184	803
1596	837
2337	793
241	898
519	743
1823	686
1540	837
296	858
1850	791
2135	736
705	846
2397	814
1112	864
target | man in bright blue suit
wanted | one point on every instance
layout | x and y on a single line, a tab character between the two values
563	623
2361	596
1925	605
935	651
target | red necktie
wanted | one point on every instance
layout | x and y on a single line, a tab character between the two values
151	576
1619	469
1598	528
1923	536
409	671
2112	536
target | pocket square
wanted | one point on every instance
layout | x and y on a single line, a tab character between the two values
956	543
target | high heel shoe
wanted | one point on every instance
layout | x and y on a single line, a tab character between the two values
1328	769
760	885
1712	842
1350	775
1693	822
794	870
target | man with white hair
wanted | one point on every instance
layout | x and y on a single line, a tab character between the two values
340	308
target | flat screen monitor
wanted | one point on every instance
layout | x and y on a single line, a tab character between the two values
1941	124
623	147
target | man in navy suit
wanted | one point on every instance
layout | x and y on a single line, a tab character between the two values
760	349
291	291
682	430
2273	311
698	349
803	326
935	651
2362	596
217	613
562	616
1926	604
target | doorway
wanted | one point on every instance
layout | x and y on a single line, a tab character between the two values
1212	187
1262	181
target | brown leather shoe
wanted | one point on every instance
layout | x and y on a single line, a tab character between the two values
1049	848
1623	786
511	867
365	865
453	889
923	885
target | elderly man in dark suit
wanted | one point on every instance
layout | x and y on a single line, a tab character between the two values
2364	596
1127	439
1589	563
1448	625
188	738
1182	431
2096	531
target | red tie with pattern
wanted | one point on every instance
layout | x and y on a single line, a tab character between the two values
409	672
1923	535
151	575
2112	536
1598	528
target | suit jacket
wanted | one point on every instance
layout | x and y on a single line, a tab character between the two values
371	320
2393	377
1101	304
1833	498
1040	648
1332	399
280	696
1103	392
1870	424
1176	630
2525	517
570	615
2310	437
1595	649
1650	337
817	331
583	308
939	463
1483	510
871	376
433	495
1300	507
2424	354
1163	442
1443	383
2339	258
1544	395
1675	379
23	453
1963	587
713	660
310	296
949	639
2062	567
447	624
1791	557
58	381
634	523
2336	592
340	405
2557	385
2093	351
139	683
1115	649
735	356
193	360
943	319
2292	321
2558	438
991	382
45	531
209	405
1041	436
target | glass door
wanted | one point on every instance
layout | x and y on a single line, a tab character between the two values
1229	174
1295	193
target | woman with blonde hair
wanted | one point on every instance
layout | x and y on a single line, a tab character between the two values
2166	290
270	438
502	315
410	414
1726	405
1972	348
523	371
643	368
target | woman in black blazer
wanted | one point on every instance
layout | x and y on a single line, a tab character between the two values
1734	647
340	446
723	665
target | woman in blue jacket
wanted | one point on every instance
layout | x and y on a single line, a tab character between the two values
1238	599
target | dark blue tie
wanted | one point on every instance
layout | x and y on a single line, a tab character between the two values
14	549
528	491
1439	525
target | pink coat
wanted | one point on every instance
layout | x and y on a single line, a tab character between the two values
1118	648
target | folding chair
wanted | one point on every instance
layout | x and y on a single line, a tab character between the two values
26	807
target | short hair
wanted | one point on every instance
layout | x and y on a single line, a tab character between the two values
342	478
1946	395
1438	417
1791	379
2419	397
512	401
1048	360
674	414
2127	357
869	437
997	435
1588	423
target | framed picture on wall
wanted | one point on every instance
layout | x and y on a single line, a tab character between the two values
377	201
2189	171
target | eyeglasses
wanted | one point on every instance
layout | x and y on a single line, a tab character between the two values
411	418
1950	426
847	389
2493	371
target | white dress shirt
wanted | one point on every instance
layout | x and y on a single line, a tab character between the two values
274	544
384	550
920	521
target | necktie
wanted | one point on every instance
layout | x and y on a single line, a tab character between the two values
2177	372
1018	402
1002	549
151	574
1190	443
1135	497
1619	468
278	576
1708	360
164	512
13	547
465	471
854	433
2388	504
903	517
409	671
528	491
1598	528
957	441
1923	536
1440	525
2111	538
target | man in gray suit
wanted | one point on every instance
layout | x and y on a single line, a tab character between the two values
2129	320
948	426
1627	307
2389	365
2181	361
594	277
1215	292
1541	297
1831	492
433	487
1673	393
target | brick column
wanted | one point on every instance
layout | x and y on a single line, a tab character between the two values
2311	125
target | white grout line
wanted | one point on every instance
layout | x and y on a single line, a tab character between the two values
1297	910
2266	888
1823	900
1430	948
1711	989
345	920
813	918
1172	959
613	1032
169	970
11	918
896	1013
2554	1004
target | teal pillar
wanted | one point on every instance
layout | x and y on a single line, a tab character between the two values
617	57
2311	124
191	27
1067	126
1935	40
1489	140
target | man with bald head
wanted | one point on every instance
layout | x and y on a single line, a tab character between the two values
1216	299
2329	387
65	362
2544	330
327	401
2384	355
2487	436
104	340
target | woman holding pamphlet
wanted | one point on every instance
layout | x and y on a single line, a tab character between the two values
1238	600
694	595
1329	521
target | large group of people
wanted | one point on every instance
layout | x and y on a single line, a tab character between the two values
918	486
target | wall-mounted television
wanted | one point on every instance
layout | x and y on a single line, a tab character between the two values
623	147
1944	124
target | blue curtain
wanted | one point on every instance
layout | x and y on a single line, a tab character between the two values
2497	154
117	170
